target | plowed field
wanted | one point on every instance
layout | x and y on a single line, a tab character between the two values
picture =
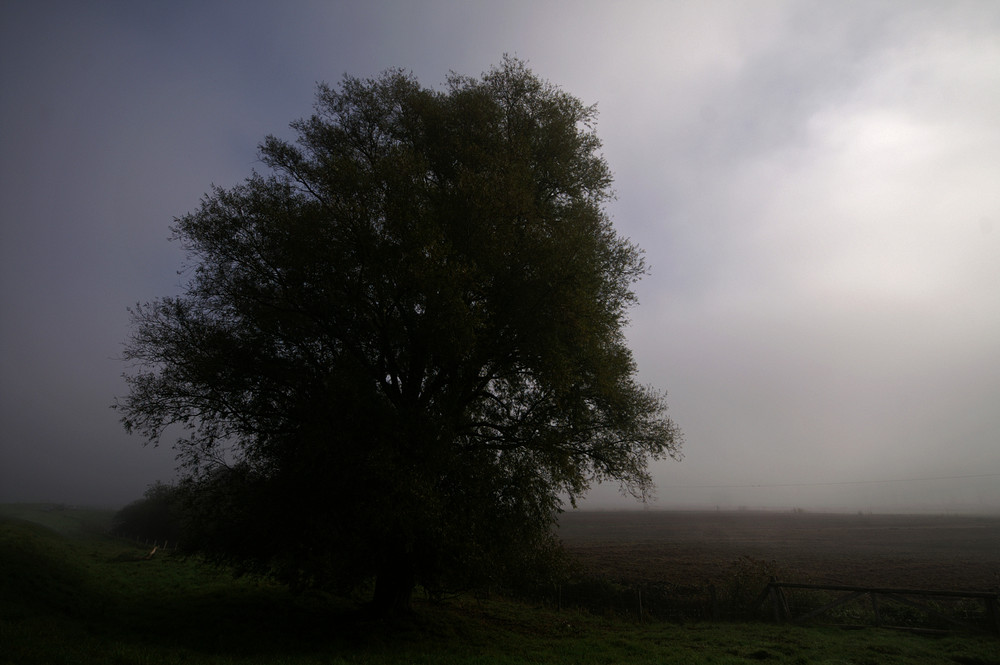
695	548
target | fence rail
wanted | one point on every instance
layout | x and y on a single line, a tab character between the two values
781	608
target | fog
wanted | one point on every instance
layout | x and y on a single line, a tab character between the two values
815	185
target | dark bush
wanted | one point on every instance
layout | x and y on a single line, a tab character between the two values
155	517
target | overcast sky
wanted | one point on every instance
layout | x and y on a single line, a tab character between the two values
816	186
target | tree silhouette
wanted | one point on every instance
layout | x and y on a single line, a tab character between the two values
400	350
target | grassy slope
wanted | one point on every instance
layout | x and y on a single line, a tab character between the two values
69	595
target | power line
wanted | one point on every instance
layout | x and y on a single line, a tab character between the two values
838	482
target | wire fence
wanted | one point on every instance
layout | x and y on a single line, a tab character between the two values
909	609
784	602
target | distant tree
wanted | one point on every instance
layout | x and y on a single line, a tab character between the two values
402	349
156	516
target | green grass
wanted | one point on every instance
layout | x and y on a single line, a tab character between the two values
62	519
71	595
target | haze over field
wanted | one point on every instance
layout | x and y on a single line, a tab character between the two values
816	186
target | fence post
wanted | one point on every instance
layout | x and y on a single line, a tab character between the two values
774	593
993	611
775	603
878	615
782	612
640	604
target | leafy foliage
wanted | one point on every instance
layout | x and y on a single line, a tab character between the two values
398	350
747	578
156	516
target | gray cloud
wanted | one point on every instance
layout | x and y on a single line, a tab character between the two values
814	184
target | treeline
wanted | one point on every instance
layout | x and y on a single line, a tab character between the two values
157	516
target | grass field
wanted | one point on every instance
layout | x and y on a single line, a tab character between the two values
69	594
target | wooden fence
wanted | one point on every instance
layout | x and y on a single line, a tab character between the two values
782	608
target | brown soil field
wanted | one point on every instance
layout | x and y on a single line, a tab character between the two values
950	552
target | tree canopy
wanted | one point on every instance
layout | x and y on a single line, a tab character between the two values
402	348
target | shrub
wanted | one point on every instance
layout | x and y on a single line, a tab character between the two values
746	580
155	517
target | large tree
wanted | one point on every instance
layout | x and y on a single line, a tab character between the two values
401	349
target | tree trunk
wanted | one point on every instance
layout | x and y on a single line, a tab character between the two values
393	589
